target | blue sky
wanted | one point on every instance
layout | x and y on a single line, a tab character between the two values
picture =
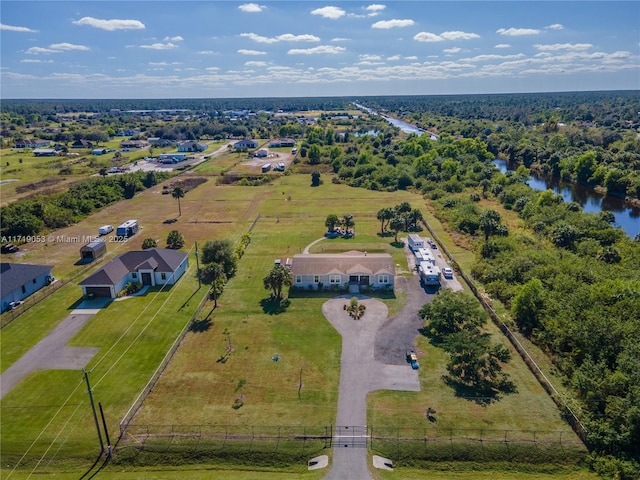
192	49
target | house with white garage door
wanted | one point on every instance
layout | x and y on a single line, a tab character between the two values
154	266
353	270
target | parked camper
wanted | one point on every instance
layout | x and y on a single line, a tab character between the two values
429	274
424	255
105	229
266	167
415	242
127	229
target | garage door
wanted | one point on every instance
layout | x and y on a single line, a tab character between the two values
99	291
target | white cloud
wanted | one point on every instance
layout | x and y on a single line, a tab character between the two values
177	38
375	9
395	23
371	58
427	37
160	46
110	25
251	7
340	39
329	12
320	49
502	45
517	32
457	35
253	63
563	46
212	69
245	51
207	52
12	28
452	50
285	37
56	48
490	57
164	64
555	26
68	46
37	50
35	60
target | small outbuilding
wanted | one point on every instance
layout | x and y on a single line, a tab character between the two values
93	250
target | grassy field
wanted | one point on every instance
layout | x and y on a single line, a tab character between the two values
229	363
20	167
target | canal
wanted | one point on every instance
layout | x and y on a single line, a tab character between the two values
627	217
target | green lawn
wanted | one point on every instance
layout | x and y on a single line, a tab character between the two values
50	408
47	417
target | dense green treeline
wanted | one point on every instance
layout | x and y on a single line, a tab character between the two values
35	215
572	285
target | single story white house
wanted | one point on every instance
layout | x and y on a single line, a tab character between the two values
245	144
192	146
19	280
154	266
314	270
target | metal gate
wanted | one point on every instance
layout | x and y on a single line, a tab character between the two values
354	436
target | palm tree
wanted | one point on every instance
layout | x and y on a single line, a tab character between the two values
277	278
384	215
178	193
396	224
348	223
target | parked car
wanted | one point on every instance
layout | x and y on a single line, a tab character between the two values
9	248
447	272
412	358
14	305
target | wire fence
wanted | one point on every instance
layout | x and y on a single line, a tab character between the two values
398	443
544	381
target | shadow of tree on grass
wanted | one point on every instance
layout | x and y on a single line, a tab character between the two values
274	306
480	394
199	326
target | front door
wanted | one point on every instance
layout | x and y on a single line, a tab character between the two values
146	279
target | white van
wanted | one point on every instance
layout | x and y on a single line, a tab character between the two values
105	229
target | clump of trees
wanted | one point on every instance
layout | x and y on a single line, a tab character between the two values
454	321
149	243
344	225
175	240
220	262
399	218
36	215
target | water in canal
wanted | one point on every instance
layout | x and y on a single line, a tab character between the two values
627	217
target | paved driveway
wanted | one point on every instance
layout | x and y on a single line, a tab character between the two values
360	373
52	353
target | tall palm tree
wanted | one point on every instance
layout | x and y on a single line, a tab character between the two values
348	223
178	193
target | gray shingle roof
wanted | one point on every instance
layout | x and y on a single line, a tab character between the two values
14	275
345	263
158	259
